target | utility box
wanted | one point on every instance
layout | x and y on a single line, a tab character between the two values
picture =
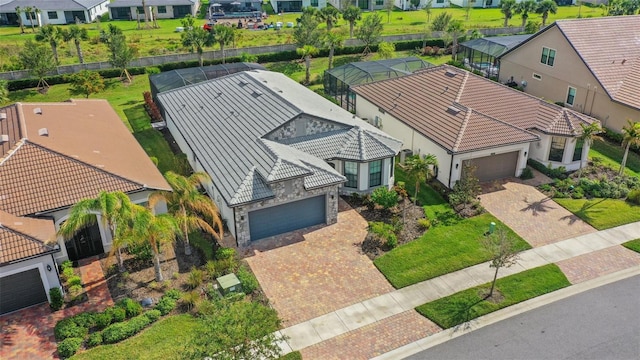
404	154
229	284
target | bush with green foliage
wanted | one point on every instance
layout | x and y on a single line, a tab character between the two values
195	278
166	305
103	320
141	252
67	264
85	319
74	280
247	280
153	315
67	273
441	21
131	307
634	196
116	332
118	314
67	328
527	174
385	197
557	173
424	224
57	300
68	347
94	339
174	294
385	232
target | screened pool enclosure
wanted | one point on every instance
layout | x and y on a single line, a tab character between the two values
481	54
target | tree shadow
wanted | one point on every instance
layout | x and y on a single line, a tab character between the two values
461	314
582	214
537	207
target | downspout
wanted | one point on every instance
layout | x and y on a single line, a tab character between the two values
450	171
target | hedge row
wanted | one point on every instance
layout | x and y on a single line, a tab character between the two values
616	137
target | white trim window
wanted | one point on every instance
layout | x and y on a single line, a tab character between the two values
556	153
375	173
351	173
571	96
548	56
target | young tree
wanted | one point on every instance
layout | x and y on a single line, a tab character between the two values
467	10
503	250
386	50
122	54
352	14
77	34
507	8
333	39
224	36
389	5
307	52
198	38
370	31
532	27
441	21
630	136
19	12
38	59
189	207
50	34
421	168
107	37
466	190
146	14
544	8
524	8
589	133
86	83
328	15
455	29
29	12
307	32
427	9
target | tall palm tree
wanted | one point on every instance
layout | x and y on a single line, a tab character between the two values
507	8
630	136
422	169
333	39
307	52
545	7
223	36
328	15
189	207
524	8
455	29
29	11
351	15
589	133
427	9
19	12
77	34
198	38
114	208
51	34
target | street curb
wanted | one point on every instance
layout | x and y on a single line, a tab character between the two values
494	317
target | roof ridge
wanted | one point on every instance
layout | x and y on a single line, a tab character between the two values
372	136
12	151
463	127
30	237
461	89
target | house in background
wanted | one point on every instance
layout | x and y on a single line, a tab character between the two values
52	12
278	154
283	6
163	9
591	65
53	155
463	119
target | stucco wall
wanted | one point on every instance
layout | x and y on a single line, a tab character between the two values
539	151
49	278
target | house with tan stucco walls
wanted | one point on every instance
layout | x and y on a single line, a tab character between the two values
590	65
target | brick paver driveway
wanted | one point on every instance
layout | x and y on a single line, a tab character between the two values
531	214
599	263
319	271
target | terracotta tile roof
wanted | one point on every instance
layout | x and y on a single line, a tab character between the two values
10	127
464	112
22	237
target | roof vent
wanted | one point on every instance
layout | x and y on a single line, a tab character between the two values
43	132
450	73
4	138
3	116
453	110
243	82
37	111
623	61
256	93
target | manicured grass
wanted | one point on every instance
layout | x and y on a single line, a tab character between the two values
602	213
611	156
633	245
164	340
469	304
296	355
441	250
433	203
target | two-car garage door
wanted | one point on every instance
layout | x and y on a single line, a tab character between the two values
495	166
287	217
21	290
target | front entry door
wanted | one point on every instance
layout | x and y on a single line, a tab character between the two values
87	242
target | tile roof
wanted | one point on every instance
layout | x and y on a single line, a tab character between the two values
225	121
22	237
464	112
50	4
128	3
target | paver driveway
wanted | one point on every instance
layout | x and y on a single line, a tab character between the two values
531	214
319	271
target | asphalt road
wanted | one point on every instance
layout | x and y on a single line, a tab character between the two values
599	324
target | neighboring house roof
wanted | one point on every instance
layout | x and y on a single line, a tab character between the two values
59	153
136	3
610	48
50	4
464	112
227	121
22	238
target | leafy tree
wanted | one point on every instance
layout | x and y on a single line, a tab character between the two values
4	91
307	52
532	27
333	39
524	8
198	38
455	29
307	32
389	5
50	34
223	36
352	14
544	8
589	133
328	15
507	8
427	9
122	54
86	83
19	12
77	34
114	209
38	59
467	10
421	168
503	250
189	207
188	22
386	50
370	31
385	197
467	189
107	37
630	136
441	21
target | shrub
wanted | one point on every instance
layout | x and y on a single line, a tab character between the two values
56	298
384	231
67	328
116	332
392	242
385	197
103	320
225	253
247	280
67	273
74	280
195	279
210	269
67	264
85	319
577	193
141	252
527	174
137	324
132	308
634	196
165	305
117	314
153	315
190	299
94	339
68	347
173	294
424	224
75	291
152	70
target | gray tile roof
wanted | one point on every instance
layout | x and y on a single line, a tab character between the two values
10	6
129	3
225	122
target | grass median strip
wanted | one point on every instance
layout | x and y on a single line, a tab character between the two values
469	304
602	213
633	245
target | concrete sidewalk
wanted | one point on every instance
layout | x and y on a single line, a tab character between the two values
382	307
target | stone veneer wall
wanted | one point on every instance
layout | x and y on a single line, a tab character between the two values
304	125
285	191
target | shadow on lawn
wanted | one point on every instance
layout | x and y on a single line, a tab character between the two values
583	212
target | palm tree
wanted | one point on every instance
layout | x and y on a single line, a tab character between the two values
421	168
333	39
114	208
427	9
223	36
630	136
77	34
52	35
328	15
19	13
589	133
188	206
524	8
352	14
307	52
545	7
29	11
455	29
507	7
197	38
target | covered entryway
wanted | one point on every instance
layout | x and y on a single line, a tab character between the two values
495	166
87	242
287	217
21	290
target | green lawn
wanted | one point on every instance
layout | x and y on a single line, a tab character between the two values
633	245
602	213
441	250
163	340
611	156
431	200
468	304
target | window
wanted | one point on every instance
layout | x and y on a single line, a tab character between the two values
375	173
52	15
351	173
577	152
439	1
537	76
571	96
162	9
140	10
379	2
314	3
557	148
363	4
548	56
